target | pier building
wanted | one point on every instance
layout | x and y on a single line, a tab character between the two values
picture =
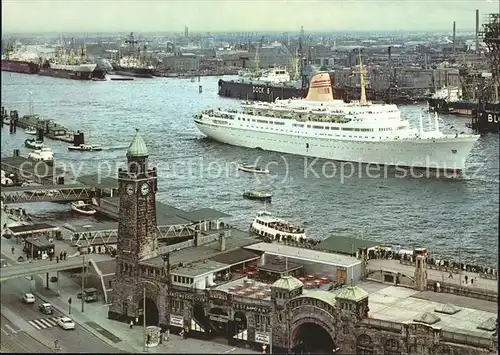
278	298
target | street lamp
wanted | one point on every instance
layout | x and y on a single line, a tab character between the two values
144	306
83	251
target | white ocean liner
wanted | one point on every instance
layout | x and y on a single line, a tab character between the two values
320	126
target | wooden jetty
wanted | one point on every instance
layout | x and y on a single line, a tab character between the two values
50	128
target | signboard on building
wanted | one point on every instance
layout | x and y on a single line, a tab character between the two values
177	321
262	337
218	318
219	295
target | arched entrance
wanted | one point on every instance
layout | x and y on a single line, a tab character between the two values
238	325
219	319
312	338
200	317
152	316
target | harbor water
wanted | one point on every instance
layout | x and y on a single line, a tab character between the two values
454	216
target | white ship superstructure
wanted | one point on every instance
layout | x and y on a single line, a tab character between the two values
85	68
132	62
319	126
276	76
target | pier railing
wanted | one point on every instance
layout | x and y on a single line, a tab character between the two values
455	270
471	292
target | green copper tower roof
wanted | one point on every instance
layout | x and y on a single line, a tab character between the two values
138	147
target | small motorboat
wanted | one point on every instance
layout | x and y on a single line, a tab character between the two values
33	144
30	130
258	195
85	148
252	169
83	208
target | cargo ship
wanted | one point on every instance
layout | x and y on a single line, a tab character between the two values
18	61
68	66
131	64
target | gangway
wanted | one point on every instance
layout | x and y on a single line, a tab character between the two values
48	193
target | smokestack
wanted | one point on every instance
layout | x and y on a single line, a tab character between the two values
454	35
222	242
477	31
196	238
389	55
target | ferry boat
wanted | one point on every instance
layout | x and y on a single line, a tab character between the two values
85	148
252	169
320	126
83	208
270	228
44	154
33	144
258	195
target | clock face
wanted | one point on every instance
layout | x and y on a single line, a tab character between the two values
145	189
130	189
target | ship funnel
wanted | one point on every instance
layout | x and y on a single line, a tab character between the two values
320	88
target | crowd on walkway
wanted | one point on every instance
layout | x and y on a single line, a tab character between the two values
406	255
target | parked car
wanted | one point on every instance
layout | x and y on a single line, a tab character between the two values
66	323
46	308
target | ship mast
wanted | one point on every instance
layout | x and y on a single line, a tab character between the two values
257	59
362	99
297	65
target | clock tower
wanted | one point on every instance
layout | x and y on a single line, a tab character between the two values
137	228
137	187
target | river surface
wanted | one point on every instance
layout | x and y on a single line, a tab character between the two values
450	215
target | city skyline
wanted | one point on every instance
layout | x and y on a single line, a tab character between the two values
241	16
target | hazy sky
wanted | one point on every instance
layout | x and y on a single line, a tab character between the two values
30	16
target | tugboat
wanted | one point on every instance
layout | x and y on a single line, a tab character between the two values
33	144
252	169
270	228
83	208
258	195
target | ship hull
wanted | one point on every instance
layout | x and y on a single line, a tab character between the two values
459	108
134	72
268	93
65	74
15	66
485	121
442	154
258	92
